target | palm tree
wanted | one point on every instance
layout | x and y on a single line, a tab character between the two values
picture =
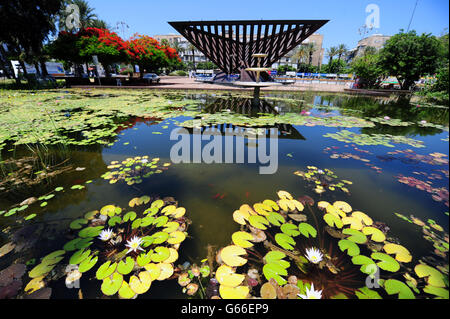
299	55
342	50
331	53
97	23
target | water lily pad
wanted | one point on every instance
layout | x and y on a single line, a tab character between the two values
130	216
106	270
275	271
113	221
433	276
437	291
242	238
290	229
239	292
173	256
161	221
87	264
307	230
350	246
367	264
272	204
363	218
125	267
401	253
79	256
170	226
225	275
231	255
34	285
276	257
333	221
258	221
160	254
285	241
343	206
77	223
354	222
374	233
144	258
6	248
366	293
142	283
179	212
166	271
274	218
160	237
176	237
386	262
112	284
393	286
125	291
355	236
154	270
90	231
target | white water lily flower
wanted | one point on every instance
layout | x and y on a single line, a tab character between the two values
311	293
134	244
314	255
106	234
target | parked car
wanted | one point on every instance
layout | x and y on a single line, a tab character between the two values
151	78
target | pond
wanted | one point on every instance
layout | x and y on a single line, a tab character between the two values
364	180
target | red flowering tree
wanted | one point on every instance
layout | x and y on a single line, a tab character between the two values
149	55
106	45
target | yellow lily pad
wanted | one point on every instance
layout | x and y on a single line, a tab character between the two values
231	255
176	237
363	218
240	217
272	204
241	238
323	204
166	271
168	210
108	210
343	206
247	210
154	270
173	256
239	292
401	253
225	275
125	292
262	209
353	222
335	211
142	283
284	195
179	212
299	206
34	284
376	234
286	204
434	277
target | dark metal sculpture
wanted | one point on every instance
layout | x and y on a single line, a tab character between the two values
231	44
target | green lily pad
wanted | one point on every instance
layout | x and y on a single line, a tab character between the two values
77	223
393	286
125	267
160	254
276	272
366	293
40	270
290	229
112	284
90	231
113	221
87	264
386	262
160	237
125	291
161	221
355	236
275	218
130	216
144	258
105	270
350	246
79	256
285	241
258	221
433	276
307	230
367	264
333	221
276	257
376	234
437	291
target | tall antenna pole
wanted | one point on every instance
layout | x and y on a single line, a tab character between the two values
409	25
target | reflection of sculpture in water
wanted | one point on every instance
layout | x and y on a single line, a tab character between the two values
246	106
256	85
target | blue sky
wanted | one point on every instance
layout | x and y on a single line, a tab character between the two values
346	16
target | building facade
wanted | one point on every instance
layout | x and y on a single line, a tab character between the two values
376	41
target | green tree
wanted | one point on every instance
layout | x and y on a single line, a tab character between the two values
341	51
192	48
408	56
331	53
368	69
